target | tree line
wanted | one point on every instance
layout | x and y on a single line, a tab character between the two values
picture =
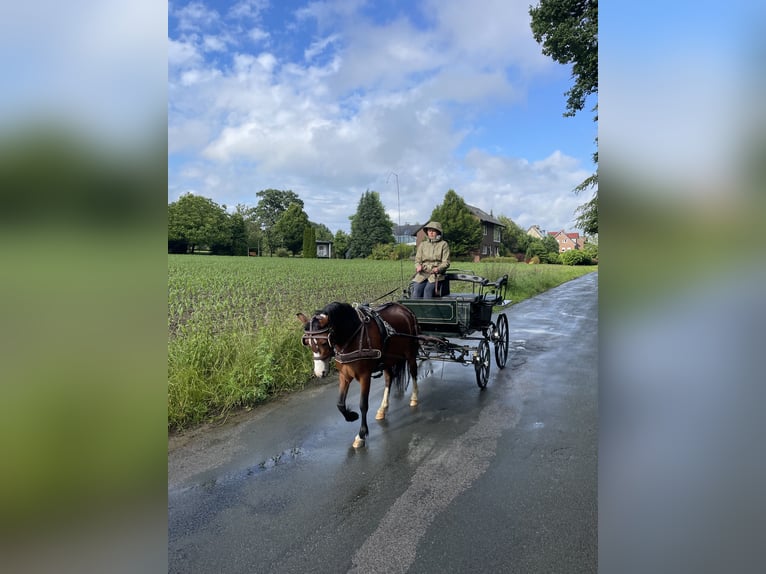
279	226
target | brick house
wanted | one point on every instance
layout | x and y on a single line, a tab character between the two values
567	241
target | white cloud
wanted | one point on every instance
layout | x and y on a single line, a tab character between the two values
194	16
366	100
182	54
319	46
257	34
214	43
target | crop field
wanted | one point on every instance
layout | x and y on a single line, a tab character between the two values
234	339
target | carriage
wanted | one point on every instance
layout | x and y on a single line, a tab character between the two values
394	338
449	322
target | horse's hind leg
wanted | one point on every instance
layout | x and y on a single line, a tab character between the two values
381	414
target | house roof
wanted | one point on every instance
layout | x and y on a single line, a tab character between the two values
483	215
573	235
407	229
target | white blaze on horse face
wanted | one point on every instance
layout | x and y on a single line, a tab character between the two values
321	368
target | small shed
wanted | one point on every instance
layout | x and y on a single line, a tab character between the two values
324	249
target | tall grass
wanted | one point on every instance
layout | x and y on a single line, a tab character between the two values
234	339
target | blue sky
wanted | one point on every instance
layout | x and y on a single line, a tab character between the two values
328	99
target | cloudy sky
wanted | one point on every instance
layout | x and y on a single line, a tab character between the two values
330	99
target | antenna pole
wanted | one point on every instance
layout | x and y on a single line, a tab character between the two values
399	223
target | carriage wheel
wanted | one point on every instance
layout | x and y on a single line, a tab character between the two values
501	343
481	363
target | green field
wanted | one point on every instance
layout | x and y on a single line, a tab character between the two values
234	339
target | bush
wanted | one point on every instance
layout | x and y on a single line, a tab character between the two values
551	257
282	252
575	257
591	250
391	251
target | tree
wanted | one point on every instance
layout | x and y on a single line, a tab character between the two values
568	33
309	242
290	225
340	244
272	204
195	221
239	236
551	245
322	232
514	239
536	248
370	225
587	218
253	233
462	230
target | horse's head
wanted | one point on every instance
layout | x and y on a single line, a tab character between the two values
316	336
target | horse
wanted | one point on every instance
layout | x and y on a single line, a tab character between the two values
363	341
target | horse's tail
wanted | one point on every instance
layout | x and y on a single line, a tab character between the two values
400	376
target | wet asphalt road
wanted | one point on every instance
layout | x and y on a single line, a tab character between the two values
500	480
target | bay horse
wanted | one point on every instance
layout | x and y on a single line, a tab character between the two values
364	340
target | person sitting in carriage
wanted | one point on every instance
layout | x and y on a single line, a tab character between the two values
431	261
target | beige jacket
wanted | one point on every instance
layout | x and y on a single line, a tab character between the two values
432	254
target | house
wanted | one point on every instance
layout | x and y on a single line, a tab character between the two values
324	249
406	233
567	241
492	233
536	232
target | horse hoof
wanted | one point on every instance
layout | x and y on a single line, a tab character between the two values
358	442
413	403
380	415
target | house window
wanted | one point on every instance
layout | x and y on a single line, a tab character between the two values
483	249
496	234
484	228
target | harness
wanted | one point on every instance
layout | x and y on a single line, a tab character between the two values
363	349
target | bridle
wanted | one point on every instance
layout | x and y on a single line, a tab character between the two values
311	338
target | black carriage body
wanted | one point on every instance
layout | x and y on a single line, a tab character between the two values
458	316
455	315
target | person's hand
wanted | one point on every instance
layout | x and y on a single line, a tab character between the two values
418	268
435	270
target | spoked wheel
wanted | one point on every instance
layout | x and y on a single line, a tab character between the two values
481	363
501	343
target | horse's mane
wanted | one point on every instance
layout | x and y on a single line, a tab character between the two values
340	313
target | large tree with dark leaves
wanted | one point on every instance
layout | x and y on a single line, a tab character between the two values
462	230
568	32
290	225
271	205
370	225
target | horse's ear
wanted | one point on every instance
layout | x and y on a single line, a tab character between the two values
303	319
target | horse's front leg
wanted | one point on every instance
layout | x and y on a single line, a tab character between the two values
364	384
381	414
344	380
